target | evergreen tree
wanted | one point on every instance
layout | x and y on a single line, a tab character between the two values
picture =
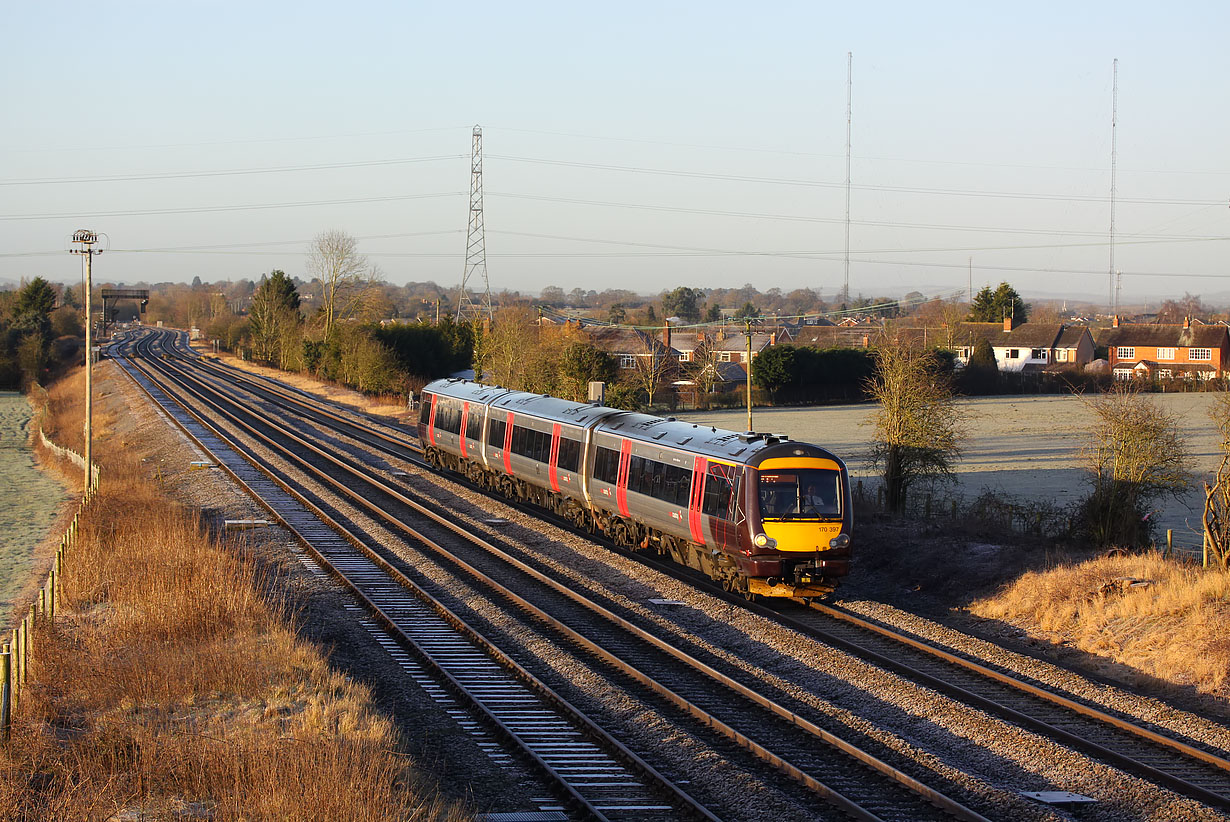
683	303
274	314
993	306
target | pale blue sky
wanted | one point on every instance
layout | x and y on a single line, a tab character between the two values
967	117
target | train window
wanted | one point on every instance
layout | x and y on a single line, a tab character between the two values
495	433
719	488
540	446
425	409
474	424
606	465
635	467
806	493
569	454
653	485
518	440
676	485
444	412
643	476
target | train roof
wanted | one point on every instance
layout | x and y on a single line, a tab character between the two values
539	405
668	432
704	440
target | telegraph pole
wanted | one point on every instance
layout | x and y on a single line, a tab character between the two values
749	376
87	240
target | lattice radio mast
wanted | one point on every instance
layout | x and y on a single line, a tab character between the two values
476	243
845	290
1114	118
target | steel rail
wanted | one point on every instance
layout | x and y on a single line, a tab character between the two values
682	799
940	800
1151	772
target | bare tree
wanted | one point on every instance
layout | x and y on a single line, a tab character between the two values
652	366
1217	495
345	280
1137	454
917	423
704	364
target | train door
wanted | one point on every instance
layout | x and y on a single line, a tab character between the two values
431	422
553	460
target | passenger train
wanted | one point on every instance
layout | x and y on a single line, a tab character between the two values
762	515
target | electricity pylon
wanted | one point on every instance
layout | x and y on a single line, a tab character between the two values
476	243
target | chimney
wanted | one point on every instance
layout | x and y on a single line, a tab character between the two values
1007	324
666	335
1114	321
773	338
1187	322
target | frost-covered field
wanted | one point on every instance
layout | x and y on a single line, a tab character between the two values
28	499
1025	447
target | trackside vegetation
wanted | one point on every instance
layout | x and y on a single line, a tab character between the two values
170	685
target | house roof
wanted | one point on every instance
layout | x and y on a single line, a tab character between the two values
1179	367
1166	336
731	340
616	340
1070	336
1025	335
833	336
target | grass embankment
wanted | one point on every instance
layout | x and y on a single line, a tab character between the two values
169	687
387	405
1172	628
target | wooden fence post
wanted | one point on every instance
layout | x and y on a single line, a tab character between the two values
24	651
6	692
1169	542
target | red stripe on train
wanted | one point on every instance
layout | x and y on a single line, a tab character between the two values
621	482
699	472
553	470
508	428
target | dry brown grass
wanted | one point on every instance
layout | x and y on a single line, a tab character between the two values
1173	628
169	687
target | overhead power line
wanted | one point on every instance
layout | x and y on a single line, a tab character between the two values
178	175
1018	195
214	209
832	220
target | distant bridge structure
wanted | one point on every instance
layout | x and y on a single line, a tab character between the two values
111	296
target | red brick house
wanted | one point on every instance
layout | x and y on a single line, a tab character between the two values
1191	351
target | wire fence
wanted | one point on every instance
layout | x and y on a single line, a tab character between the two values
16	653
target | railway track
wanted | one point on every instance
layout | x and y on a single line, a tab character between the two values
1186	766
595	775
708	695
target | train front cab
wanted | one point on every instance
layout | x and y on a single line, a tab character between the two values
800	514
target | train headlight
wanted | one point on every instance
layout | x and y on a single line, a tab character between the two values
764	541
839	541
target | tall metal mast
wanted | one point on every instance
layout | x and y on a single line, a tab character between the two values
476	243
845	291
1114	117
